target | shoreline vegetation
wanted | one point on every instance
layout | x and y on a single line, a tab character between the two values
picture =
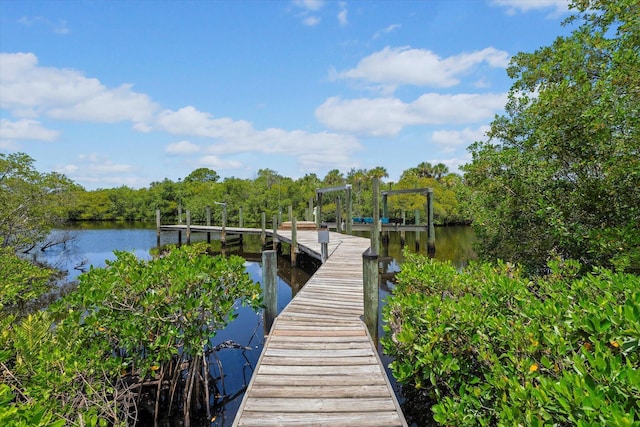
544	330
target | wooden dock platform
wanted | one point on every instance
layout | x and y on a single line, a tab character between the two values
319	366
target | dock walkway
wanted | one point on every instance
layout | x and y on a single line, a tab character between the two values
319	366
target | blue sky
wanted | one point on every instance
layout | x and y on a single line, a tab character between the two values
117	93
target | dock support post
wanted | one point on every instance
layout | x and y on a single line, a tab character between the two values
310	211
349	211
375	227
208	214
338	216
274	237
370	292
431	234
158	228
402	232
188	227
417	215
179	214
290	213
223	233
319	211
294	242
263	235
270	277
240	219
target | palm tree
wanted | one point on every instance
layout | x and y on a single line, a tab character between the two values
440	170
378	172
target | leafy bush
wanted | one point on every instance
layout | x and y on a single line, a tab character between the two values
21	281
491	347
135	326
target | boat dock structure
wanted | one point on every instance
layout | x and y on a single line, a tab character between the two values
320	365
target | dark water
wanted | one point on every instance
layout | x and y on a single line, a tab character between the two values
92	244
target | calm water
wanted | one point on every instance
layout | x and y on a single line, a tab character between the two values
92	244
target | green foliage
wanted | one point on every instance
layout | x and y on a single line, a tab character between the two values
126	325
491	347
150	311
30	202
561	170
20	280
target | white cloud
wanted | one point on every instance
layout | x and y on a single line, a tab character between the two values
558	7
310	5
102	172
419	67
59	27
182	148
389	29
450	140
342	15
217	163
388	116
311	21
29	90
239	136
26	129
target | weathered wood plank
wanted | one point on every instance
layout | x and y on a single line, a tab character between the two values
310	419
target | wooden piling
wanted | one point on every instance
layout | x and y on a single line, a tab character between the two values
223	233
179	214
263	234
370	292
208	215
270	278
338	216
403	237
417	220
188	227
240	219
294	242
375	227
319	211
349	211
158	228
274	237
431	234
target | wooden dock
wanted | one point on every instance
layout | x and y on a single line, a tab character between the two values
319	366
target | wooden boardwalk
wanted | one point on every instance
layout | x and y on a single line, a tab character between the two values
319	366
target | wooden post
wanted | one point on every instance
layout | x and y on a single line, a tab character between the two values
310	213
223	233
294	242
370	292
375	227
208	214
417	215
349	211
179	214
290	213
338	216
431	233
274	237
158	228
270	278
385	234
188	227
319	211
263	235
402	232
240	219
